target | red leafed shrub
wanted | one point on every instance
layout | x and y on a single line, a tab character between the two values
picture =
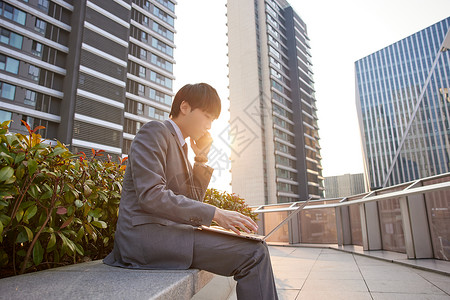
55	207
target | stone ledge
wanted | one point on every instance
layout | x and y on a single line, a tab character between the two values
95	280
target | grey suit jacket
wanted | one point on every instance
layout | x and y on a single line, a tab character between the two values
161	202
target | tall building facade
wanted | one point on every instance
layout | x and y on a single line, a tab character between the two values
344	185
403	107
275	152
90	71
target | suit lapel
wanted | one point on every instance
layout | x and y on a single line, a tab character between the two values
190	172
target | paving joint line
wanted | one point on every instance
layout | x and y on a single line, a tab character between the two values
364	279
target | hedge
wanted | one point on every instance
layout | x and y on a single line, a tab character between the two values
57	208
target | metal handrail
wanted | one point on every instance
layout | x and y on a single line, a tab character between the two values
410	190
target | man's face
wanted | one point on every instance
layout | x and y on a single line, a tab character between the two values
198	122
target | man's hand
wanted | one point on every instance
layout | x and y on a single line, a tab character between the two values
232	220
202	146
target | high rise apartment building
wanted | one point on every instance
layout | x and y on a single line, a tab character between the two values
90	71
344	185
403	107
275	152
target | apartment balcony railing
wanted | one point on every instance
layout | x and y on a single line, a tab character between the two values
411	218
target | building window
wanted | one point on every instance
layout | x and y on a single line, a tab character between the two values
160	97
270	10
162	15
138	126
278	86
34	71
274	41
7	91
29	120
167	4
37	48
145	21
271	19
81	79
162	63
280	99
276	63
43	5
162	47
5	116
30	98
147	5
160	79
157	114
141	72
13	13
140	108
274	52
273	31
276	74
11	38
141	89
143	53
162	31
40	26
9	64
144	37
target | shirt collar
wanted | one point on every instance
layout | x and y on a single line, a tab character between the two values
178	131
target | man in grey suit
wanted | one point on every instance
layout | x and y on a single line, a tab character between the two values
161	203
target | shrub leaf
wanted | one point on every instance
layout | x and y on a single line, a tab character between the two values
38	253
6	173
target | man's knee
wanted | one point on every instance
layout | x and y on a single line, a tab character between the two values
262	251
259	254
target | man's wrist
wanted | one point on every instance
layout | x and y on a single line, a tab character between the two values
201	159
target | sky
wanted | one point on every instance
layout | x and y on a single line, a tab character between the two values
340	32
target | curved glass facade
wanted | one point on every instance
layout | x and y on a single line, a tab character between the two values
403	110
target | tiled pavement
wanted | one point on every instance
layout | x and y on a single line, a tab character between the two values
318	273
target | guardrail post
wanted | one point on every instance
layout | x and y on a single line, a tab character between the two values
370	226
294	230
339	226
261	224
365	239
415	227
343	230
346	226
407	232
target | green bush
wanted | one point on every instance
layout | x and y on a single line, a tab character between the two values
55	207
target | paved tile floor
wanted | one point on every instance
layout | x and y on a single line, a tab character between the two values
317	273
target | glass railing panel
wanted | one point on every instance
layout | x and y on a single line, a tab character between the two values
318	226
391	225
438	210
271	220
355	224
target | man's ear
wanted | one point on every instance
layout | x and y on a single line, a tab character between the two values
185	108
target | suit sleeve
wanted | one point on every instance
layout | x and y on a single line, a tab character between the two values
202	176
148	159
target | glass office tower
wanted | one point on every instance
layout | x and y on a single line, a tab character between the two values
90	71
275	155
403	107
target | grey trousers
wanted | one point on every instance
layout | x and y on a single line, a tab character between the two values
248	261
